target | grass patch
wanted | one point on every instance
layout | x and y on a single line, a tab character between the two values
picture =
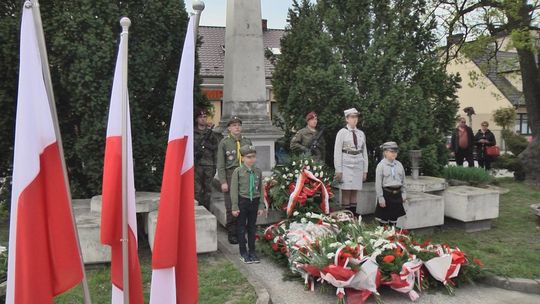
511	247
219	282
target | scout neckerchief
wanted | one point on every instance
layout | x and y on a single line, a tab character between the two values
392	167
251	181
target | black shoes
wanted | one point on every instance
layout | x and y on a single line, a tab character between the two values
232	239
254	258
245	258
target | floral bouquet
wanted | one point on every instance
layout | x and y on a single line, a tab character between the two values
302	184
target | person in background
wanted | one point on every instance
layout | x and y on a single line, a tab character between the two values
247	195
205	147
462	143
389	186
484	138
309	141
228	159
350	160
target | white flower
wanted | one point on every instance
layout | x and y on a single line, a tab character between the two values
296	176
322	173
2	249
316	174
316	216
308	214
389	246
294	163
286	169
303	220
296	171
335	245
306	162
296	213
276	239
348	242
290	175
331	255
284	175
282	186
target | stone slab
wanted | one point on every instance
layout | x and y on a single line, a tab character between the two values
365	199
535	208
467	204
473	226
425	184
88	227
423	210
217	207
205	227
145	202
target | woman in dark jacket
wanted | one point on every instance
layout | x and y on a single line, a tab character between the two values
483	139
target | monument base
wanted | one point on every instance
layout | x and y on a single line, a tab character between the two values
468	204
422	210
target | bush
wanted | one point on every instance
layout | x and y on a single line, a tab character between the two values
474	176
515	143
511	163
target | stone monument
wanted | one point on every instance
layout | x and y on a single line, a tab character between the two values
244	93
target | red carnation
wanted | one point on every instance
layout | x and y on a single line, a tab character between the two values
389	258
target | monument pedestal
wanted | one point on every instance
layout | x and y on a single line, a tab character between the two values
473	206
423	210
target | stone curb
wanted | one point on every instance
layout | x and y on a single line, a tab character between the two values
514	284
263	297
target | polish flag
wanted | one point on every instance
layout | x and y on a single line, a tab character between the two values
44	258
174	257
111	214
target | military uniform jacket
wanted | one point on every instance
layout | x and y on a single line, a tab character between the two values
240	185
205	151
227	155
302	141
389	174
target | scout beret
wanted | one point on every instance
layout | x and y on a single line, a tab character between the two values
311	115
245	150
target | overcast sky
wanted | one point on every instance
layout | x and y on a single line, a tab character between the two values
275	11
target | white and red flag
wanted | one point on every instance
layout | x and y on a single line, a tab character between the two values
174	256
111	212
44	258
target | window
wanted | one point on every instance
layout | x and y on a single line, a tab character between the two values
522	124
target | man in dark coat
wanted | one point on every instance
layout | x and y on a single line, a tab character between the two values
462	143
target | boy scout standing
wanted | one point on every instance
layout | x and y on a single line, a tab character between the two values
206	143
228	159
247	194
309	141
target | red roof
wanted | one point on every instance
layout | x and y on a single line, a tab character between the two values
212	52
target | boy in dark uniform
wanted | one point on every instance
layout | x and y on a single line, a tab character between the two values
205	147
247	194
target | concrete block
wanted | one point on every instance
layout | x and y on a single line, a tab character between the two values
80	206
365	199
145	202
423	210
205	225
426	184
467	204
88	227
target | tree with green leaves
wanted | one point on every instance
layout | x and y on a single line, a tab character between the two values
82	43
384	52
485	22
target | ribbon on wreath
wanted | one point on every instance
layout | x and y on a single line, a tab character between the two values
300	192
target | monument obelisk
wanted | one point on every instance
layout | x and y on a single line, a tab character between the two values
244	92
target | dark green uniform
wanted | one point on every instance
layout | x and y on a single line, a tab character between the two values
302	144
228	156
205	148
240	185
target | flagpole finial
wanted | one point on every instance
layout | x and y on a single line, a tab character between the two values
198	6
125	23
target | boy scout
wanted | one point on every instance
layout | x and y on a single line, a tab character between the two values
228	159
247	194
309	141
205	147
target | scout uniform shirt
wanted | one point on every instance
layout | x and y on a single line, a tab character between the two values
247	183
302	140
228	155
389	174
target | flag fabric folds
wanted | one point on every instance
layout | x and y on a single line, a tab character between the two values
174	256
44	258
111	214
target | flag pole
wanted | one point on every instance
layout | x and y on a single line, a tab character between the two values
50	94
125	23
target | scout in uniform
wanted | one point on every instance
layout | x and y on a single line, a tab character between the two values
247	195
389	186
350	160
309	141
205	147
228	159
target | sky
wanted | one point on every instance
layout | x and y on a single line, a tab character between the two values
275	11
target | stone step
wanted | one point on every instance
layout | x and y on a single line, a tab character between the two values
144	202
205	225
423	210
472	205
